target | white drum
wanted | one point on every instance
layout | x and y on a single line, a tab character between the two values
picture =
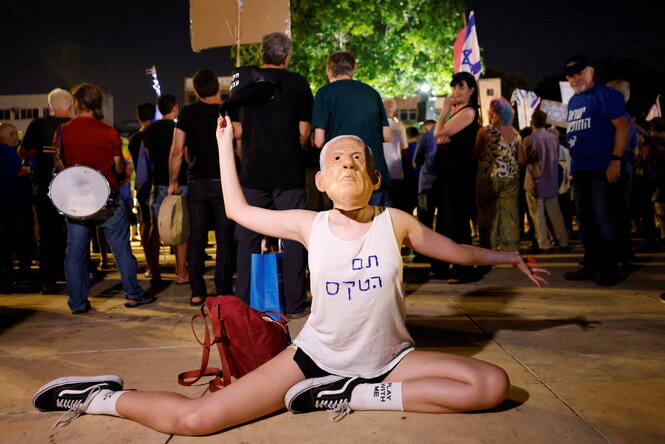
79	192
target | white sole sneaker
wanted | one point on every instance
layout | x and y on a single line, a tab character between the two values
324	393
76	386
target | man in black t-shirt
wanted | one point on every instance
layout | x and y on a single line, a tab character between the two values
195	132
158	138
145	113
272	168
38	144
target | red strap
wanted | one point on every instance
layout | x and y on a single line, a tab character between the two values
223	347
183	378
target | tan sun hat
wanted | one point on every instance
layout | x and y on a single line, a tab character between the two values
173	220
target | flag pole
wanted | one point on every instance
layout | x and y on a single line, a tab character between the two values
238	36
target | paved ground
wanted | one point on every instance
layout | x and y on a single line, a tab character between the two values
587	364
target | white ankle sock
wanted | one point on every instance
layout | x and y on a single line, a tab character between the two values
381	396
104	403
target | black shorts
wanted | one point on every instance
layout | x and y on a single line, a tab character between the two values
311	370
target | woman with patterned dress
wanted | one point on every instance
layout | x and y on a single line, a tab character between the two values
499	152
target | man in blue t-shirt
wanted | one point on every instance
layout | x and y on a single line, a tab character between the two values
351	107
598	132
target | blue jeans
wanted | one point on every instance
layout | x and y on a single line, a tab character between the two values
595	203
116	230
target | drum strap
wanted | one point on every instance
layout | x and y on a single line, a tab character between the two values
58	165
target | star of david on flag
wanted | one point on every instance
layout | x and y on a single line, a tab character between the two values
466	52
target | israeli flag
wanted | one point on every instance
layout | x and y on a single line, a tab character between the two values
470	56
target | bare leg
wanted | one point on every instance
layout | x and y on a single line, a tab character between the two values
182	275
151	250
256	394
103	247
145	228
434	382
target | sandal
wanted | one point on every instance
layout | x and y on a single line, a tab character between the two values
143	300
200	301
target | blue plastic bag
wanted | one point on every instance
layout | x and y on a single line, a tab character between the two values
265	285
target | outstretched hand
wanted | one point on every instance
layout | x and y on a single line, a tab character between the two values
530	270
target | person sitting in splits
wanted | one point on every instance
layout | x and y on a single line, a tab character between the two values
354	352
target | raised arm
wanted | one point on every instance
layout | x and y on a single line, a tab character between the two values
425	241
460	120
286	224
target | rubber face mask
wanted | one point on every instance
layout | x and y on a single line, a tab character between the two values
345	178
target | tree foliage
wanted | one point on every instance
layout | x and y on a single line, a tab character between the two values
398	44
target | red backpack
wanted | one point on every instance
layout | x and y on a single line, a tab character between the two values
245	339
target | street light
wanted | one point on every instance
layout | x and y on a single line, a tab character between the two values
423	97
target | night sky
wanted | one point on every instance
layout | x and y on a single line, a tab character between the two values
112	43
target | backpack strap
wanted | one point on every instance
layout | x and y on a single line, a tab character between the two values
222	341
190	377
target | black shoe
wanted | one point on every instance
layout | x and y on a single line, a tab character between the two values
607	280
326	393
581	274
85	309
662	298
143	300
72	392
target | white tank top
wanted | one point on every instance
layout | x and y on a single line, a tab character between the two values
356	327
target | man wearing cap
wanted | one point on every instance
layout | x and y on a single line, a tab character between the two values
598	132
195	132
272	172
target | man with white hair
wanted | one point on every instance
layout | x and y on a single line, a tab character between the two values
38	144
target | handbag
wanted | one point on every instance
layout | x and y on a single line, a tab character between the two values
266	292
245	339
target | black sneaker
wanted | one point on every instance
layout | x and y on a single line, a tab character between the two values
73	392
86	308
332	393
581	274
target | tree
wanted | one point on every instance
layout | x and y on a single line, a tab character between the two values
399	44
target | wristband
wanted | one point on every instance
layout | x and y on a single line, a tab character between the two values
615	157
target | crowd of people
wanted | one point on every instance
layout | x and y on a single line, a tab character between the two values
380	189
460	178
